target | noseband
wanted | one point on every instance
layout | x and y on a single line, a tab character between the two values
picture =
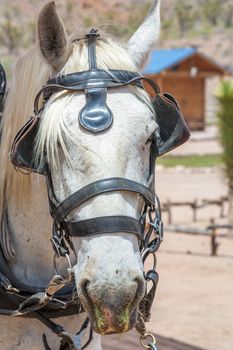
96	117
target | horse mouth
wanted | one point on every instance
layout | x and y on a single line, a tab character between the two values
106	319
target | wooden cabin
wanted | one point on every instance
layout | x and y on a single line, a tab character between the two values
183	73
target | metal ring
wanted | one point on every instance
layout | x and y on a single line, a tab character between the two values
154	261
69	262
151	337
55	263
146	251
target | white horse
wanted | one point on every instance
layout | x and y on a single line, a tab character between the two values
111	263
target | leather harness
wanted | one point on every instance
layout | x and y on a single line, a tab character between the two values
2	87
57	300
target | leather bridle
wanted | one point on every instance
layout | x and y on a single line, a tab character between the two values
64	229
2	87
43	304
95	83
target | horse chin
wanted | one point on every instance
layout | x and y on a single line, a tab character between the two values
109	321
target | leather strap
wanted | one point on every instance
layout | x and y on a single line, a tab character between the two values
101	187
2	87
92	79
88	79
92	37
102	225
94	76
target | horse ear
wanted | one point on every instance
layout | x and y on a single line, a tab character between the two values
146	35
53	40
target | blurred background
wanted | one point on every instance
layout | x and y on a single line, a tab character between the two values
193	60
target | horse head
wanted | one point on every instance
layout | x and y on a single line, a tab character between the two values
109	271
95	136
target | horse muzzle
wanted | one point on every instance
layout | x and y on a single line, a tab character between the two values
112	310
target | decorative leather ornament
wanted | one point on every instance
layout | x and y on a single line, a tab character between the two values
96	116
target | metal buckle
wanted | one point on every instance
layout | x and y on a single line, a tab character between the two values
158	228
58	241
93	33
7	285
60	302
151	344
156	223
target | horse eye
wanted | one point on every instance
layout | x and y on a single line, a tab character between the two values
149	140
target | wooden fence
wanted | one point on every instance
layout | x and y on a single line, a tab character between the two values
195	206
211	231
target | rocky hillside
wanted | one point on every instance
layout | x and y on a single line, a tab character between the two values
18	18
207	24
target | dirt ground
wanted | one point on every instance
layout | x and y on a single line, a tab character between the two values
194	302
193	308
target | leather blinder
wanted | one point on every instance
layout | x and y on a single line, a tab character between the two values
21	154
2	87
173	130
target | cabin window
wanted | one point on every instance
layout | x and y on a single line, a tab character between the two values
175	68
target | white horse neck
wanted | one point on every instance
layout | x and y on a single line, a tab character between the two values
31	227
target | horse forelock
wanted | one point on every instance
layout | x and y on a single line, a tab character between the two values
53	129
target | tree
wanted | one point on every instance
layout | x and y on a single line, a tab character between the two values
225	98
227	13
212	10
10	33
185	16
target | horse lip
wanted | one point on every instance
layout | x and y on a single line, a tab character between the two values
106	328
104	323
112	325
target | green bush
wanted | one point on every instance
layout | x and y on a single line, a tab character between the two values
225	98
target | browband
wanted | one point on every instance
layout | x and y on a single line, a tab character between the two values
97	78
95	116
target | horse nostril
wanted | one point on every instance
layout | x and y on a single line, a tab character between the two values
141	287
84	286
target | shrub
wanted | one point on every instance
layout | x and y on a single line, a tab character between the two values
225	117
225	97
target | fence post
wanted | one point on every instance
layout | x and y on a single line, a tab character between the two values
194	207
169	211
222	208
213	236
